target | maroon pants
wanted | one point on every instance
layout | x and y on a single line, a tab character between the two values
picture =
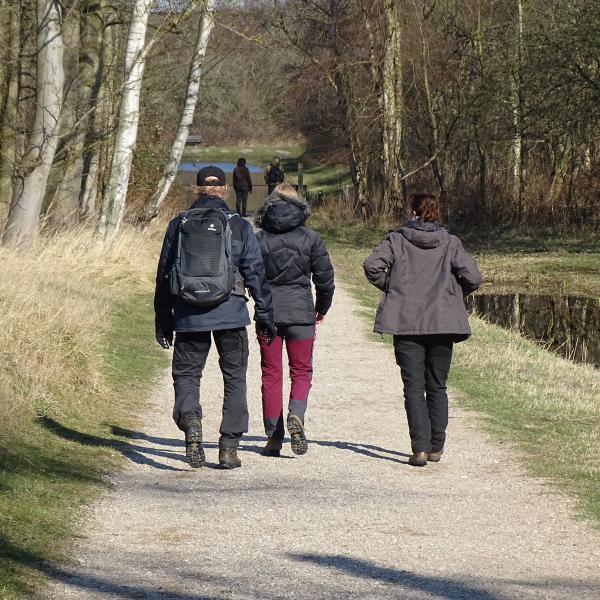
299	341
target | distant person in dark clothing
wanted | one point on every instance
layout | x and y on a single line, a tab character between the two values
242	184
274	174
293	254
424	272
224	322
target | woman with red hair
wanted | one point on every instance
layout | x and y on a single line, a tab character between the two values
424	272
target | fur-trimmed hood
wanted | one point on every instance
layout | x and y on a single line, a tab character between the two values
281	213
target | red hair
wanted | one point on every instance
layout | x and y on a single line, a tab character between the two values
426	207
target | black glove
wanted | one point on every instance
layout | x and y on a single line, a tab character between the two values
165	340
266	329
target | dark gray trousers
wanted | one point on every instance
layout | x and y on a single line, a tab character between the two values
189	357
241	201
424	361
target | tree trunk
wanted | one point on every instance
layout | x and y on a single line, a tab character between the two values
113	205
205	27
518	110
100	138
392	108
10	102
22	223
65	179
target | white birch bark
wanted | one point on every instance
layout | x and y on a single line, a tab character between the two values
28	194
113	204
205	27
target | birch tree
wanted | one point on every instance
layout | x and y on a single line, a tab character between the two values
113	204
32	176
205	26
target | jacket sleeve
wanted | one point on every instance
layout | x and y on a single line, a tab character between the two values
267	170
252	270
322	275
465	270
163	300
378	263
249	179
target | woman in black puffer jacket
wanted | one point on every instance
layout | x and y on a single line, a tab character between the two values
292	254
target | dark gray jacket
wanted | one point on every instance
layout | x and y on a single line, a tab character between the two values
292	254
174	314
424	272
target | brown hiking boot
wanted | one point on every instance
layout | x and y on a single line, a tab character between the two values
228	458
296	431
194	452
418	459
272	447
435	456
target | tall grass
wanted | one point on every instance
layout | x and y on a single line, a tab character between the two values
73	313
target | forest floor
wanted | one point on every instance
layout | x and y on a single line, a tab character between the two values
348	520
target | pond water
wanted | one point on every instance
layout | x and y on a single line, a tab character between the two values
569	325
226	166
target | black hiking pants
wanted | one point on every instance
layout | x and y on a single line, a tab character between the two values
424	361
241	202
189	357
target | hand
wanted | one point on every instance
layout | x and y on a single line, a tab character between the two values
267	330
165	340
319	318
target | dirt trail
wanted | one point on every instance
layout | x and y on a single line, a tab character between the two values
348	520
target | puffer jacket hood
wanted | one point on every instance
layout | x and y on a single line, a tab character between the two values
426	235
281	213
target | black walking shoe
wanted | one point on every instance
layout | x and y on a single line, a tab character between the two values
194	451
272	448
228	458
296	431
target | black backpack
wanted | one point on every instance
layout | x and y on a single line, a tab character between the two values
202	273
274	174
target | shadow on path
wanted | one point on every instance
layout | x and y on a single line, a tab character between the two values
437	586
135	453
369	450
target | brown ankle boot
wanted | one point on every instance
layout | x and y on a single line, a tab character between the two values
228	458
435	456
272	447
418	459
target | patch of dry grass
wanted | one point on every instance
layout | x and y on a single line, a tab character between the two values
55	300
77	356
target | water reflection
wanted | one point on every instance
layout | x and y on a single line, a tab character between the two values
569	325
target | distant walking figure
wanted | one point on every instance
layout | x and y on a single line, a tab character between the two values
274	174
242	184
292	254
424	272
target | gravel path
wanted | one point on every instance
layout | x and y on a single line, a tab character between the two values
348	520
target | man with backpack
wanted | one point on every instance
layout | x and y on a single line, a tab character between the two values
274	174
209	256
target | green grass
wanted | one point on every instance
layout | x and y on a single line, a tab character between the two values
510	262
546	406
318	177
50	466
